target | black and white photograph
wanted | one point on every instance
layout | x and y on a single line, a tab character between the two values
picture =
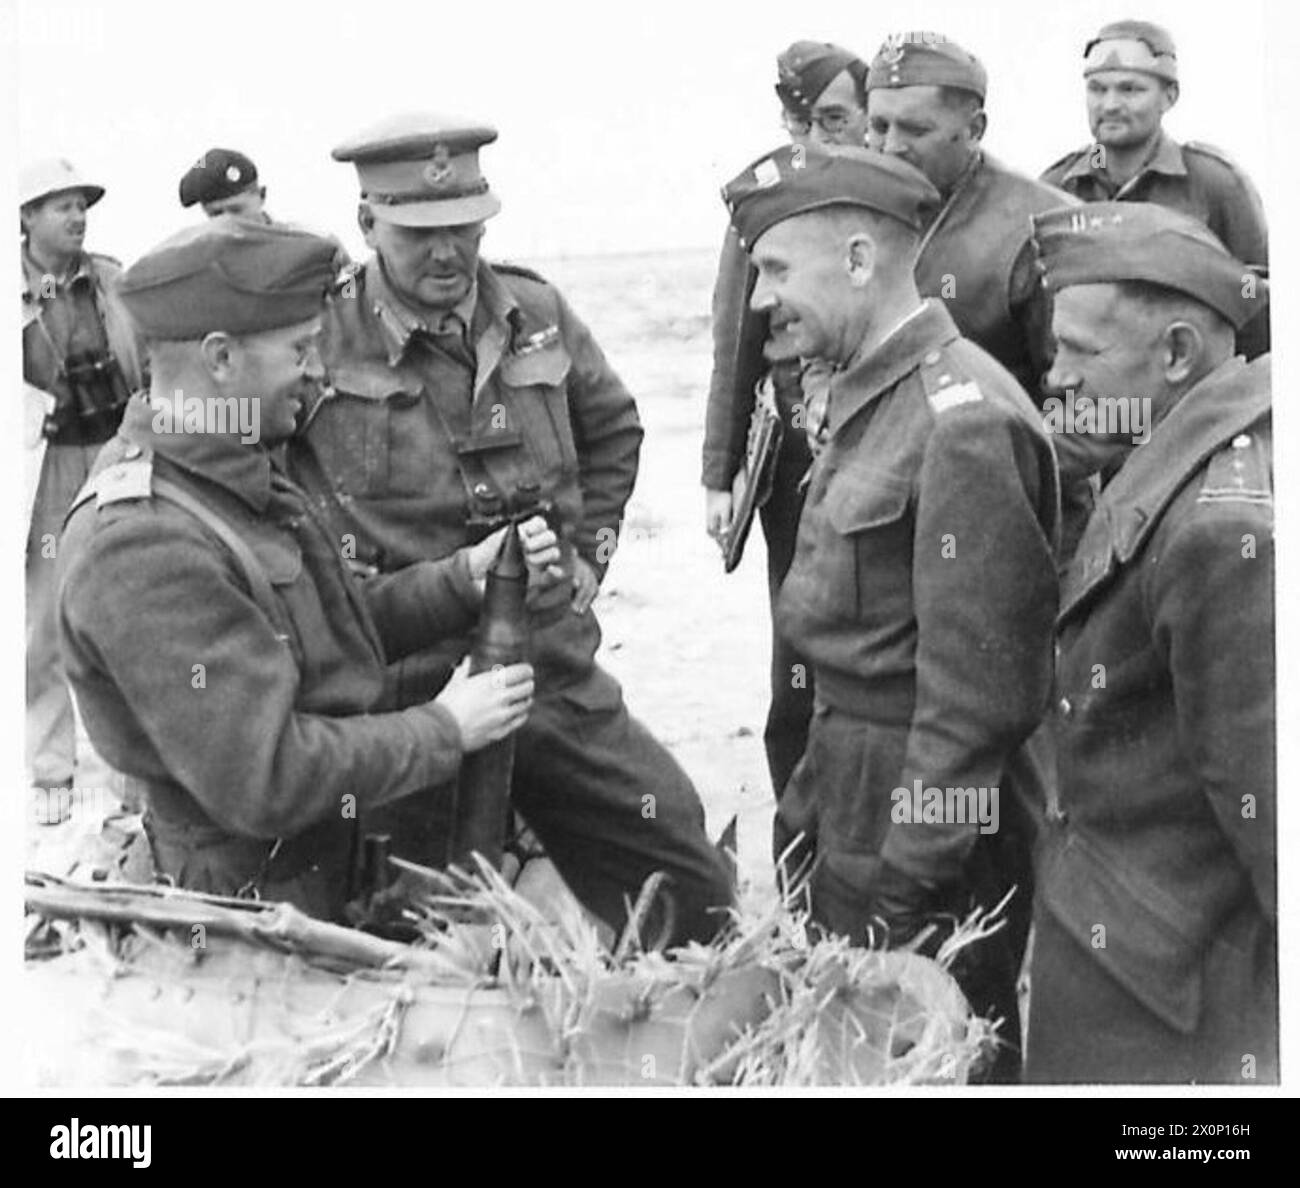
698	549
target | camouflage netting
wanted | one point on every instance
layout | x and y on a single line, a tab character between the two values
149	986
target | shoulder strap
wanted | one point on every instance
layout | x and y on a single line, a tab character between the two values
254	572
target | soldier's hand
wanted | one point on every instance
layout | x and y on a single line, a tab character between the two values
541	551
585	585
717	514
489	706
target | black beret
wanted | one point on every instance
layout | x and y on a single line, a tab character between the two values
1106	242
794	179
807	68
926	60
236	275
219	173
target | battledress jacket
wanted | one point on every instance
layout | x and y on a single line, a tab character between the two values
923	587
1156	956
249	735
424	426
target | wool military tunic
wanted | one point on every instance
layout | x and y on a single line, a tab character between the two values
924	590
428	430
1155	952
260	742
976	255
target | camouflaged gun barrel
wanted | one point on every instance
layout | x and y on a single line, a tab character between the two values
503	638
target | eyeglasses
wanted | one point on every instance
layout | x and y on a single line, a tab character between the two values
832	122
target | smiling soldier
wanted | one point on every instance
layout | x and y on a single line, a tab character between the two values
822	88
1131	79
923	585
222	653
462	390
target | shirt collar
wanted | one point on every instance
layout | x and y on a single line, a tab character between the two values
34	275
243	469
1166	157
866	376
400	323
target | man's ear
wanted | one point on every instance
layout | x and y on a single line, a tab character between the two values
978	125
860	260
218	353
1170	96
366	221
1183	348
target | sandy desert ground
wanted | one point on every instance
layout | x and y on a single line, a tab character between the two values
689	644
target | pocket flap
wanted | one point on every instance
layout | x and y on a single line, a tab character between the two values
372	381
1150	945
547	367
859	501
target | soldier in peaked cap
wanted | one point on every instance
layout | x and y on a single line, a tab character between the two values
81	360
1130	71
461	390
923	587
925	105
223	655
822	88
1156	930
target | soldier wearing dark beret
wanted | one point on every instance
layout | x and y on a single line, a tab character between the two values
462	391
822	88
923	587
1155	944
925	105
1130	71
222	654
225	182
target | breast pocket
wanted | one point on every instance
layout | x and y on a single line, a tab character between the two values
537	383
353	432
868	542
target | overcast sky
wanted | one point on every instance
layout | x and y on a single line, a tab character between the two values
618	122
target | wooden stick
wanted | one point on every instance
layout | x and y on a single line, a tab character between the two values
278	924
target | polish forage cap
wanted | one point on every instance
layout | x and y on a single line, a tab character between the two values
228	274
926	60
422	170
1132	45
795	179
54	175
1106	242
807	68
219	173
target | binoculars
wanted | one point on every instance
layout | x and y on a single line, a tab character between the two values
98	393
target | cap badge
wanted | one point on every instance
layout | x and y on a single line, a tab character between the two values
438	172
232	173
892	52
